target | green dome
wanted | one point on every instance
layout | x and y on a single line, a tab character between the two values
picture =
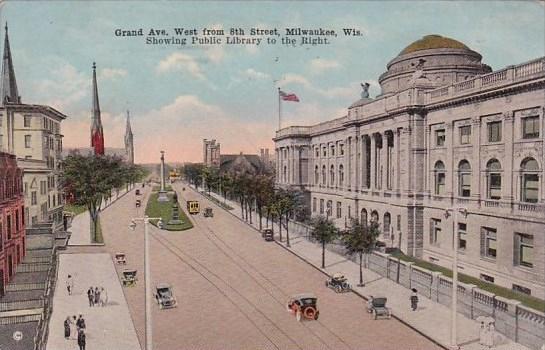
433	42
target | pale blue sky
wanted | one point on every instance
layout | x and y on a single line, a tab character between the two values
177	96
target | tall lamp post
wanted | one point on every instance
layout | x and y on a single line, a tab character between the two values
147	274
453	314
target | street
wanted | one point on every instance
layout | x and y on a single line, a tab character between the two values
232	288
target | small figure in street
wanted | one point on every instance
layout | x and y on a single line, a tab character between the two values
489	335
81	323
69	284
91	296
97	296
81	339
370	304
67	324
103	297
74	327
414	299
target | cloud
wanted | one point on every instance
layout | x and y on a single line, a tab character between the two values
111	73
292	78
181	62
319	65
255	75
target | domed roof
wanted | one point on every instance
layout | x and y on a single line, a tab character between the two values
433	42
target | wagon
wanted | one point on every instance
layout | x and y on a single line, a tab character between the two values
303	306
129	278
193	207
120	258
377	307
164	296
338	283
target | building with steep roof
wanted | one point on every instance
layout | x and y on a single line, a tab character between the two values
445	131
97	134
32	133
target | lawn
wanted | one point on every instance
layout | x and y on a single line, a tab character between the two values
157	188
164	210
526	300
76	209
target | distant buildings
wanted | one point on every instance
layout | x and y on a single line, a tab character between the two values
97	134
445	132
211	153
236	163
33	134
12	222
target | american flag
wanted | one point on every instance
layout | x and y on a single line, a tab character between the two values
288	97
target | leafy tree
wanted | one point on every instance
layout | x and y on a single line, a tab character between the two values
90	179
264	189
324	231
360	239
193	173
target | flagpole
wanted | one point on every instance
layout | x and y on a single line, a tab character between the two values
279	111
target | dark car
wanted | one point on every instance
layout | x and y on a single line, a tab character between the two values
303	306
138	203
137	192
164	296
338	283
267	235
208	213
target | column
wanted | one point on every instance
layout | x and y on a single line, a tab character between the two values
297	165
397	153
364	160
384	164
373	162
357	157
452	169
508	185
428	188
476	163
349	165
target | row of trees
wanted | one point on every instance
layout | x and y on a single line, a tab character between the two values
87	180
257	193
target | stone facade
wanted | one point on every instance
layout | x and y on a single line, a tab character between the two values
471	138
211	153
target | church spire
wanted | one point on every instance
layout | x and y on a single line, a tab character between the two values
129	147
8	89
97	135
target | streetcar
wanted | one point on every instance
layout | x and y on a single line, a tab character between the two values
193	207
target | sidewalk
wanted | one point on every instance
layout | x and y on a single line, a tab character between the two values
109	327
431	319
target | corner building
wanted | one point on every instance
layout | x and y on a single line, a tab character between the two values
445	132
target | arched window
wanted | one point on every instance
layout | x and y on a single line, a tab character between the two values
323	175
439	170
386	223
464	179
285	173
329	208
493	176
341	175
363	216
374	216
332	176
316	176
529	180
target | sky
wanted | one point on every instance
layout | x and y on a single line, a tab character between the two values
178	95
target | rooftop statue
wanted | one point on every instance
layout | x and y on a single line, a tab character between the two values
365	92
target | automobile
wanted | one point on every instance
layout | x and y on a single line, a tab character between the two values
267	234
303	306
377	307
338	283
120	258
129	278
137	192
138	203
164	296
183	188
193	207
208	212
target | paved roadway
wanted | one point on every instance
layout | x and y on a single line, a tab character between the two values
232	288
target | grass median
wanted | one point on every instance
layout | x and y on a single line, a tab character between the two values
163	210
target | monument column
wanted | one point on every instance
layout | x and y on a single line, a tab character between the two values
162	193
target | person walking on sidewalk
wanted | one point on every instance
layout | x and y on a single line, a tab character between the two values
414	299
81	323
74	328
69	284
91	296
103	297
81	339
67	324
97	296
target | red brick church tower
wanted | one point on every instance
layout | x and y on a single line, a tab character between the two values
97	135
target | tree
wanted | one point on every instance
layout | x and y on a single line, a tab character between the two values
285	206
89	179
193	173
264	188
324	231
361	239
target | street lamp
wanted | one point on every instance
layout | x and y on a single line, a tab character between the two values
453	314
147	274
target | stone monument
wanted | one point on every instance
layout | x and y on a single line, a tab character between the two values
162	192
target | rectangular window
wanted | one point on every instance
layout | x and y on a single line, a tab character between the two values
530	188
435	231
494	131
28	140
486	278
321	206
317	152
26	121
521	289
399	222
43	187
341	149
440	183
530	127
524	250
314	205
495	186
34	220
339	210
26	189
332	150
33	198
462	241
465	185
440	137
465	134
324	153
488	242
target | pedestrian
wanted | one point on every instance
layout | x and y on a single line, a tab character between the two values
489	335
103	297
81	323
91	296
74	327
414	299
81	339
97	296
67	324
69	284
